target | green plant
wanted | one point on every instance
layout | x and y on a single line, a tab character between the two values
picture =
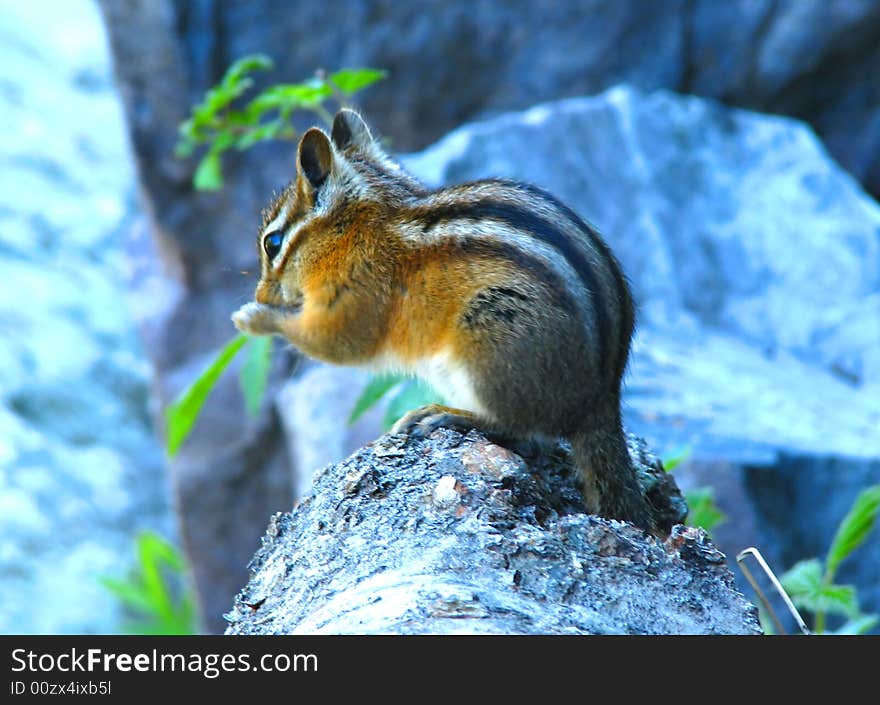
673	460
702	509
223	121
156	593
810	583
181	415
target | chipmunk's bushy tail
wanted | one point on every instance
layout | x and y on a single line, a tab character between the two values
610	480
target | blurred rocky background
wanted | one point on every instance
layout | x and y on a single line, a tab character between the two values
80	468
752	241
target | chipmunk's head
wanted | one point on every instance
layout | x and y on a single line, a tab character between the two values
344	182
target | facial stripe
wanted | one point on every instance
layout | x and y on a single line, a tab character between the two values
290	240
277	222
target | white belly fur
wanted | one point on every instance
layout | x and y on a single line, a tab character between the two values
451	380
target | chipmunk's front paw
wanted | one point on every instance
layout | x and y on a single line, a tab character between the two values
421	422
256	319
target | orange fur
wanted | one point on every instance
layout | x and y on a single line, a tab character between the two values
438	282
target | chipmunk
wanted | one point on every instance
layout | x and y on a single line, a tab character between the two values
494	292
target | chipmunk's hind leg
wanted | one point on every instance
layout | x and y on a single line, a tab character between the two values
421	422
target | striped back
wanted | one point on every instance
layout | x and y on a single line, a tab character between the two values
532	225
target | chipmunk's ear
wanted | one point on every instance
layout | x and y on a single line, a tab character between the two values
315	157
349	129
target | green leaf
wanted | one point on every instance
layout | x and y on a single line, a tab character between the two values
182	413
376	388
803	578
861	624
412	395
153	552
352	80
833	599
150	594
702	510
244	65
255	373
671	462
805	585
209	173
286	98
129	593
263	103
216	99
304	95
854	528
268	131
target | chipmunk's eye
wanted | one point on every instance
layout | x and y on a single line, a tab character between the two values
272	243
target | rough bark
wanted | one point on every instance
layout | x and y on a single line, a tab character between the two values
453	534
